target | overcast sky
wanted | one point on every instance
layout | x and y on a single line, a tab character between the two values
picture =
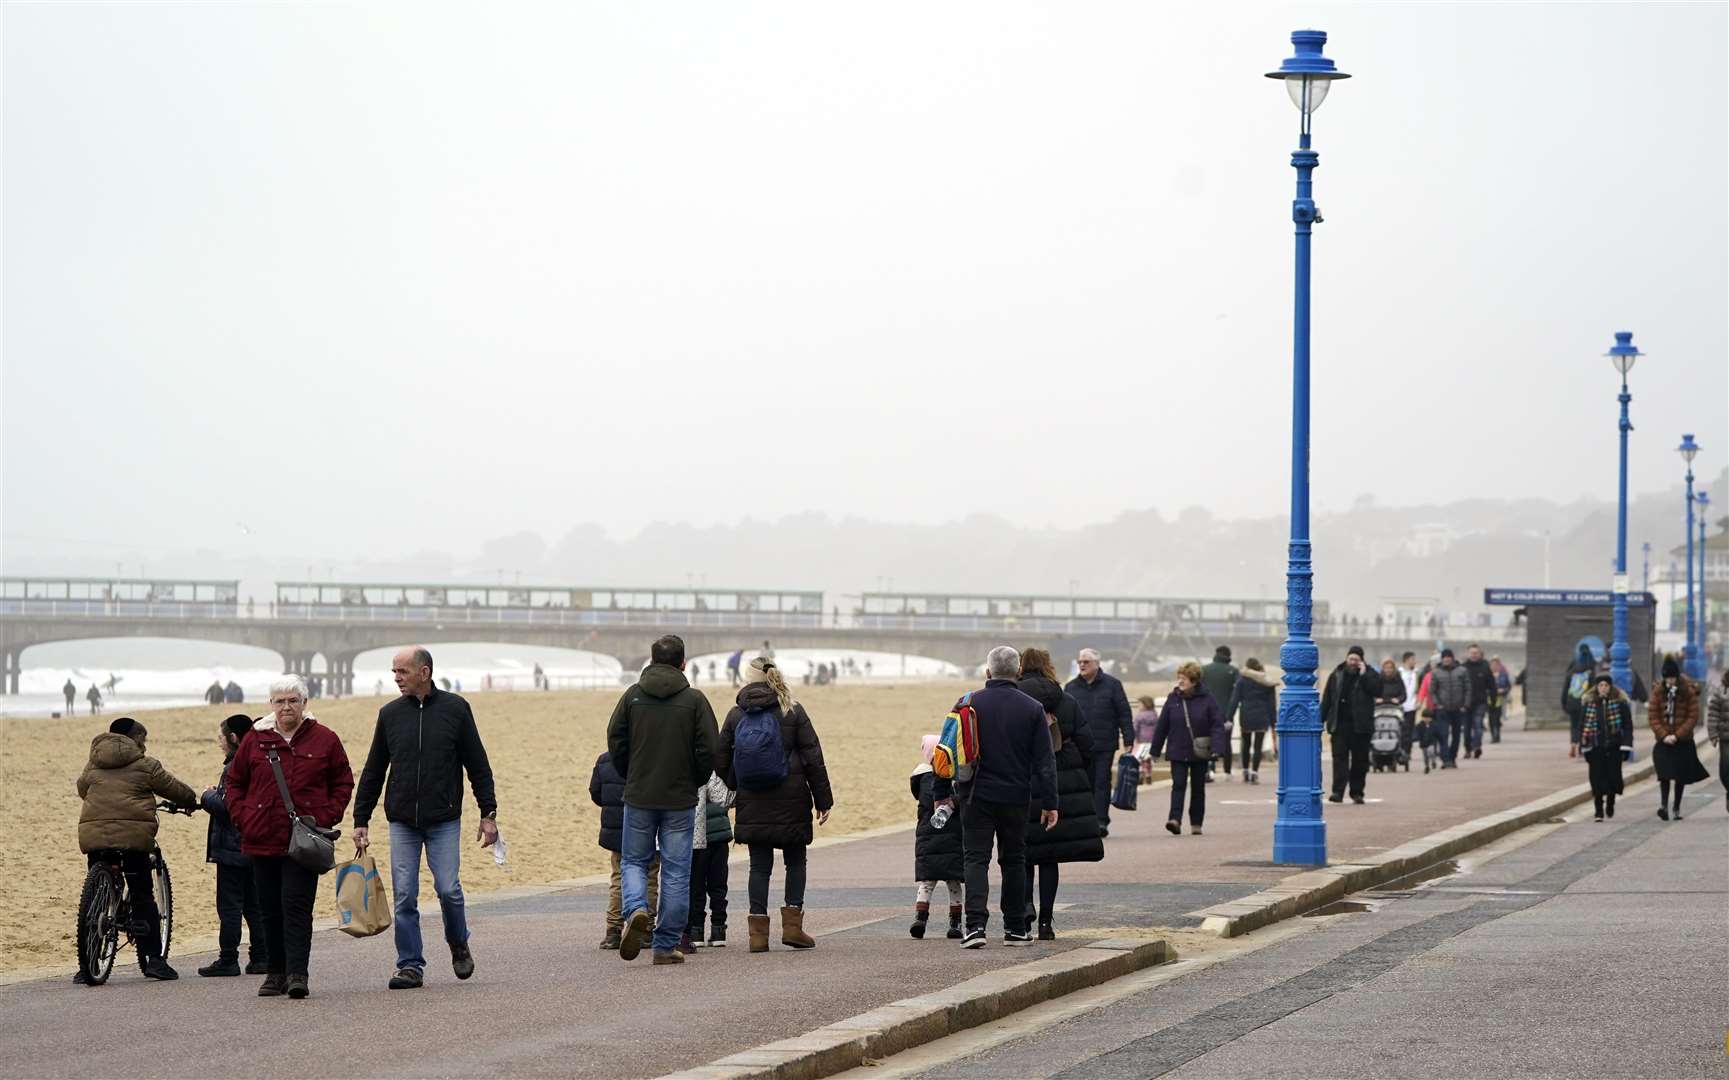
382	276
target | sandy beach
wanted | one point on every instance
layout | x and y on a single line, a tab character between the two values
542	748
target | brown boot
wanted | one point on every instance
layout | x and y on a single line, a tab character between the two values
758	933
792	929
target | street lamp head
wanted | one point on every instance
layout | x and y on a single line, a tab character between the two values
1308	74
1688	449
1703	499
1622	354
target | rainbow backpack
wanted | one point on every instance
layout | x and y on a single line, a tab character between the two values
957	751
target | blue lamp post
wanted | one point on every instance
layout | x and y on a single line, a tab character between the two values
1299	833
1690	652
1704	656
1623	355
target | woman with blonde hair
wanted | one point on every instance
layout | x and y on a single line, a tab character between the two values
777	816
1194	725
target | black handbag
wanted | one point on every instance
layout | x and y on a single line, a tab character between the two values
309	844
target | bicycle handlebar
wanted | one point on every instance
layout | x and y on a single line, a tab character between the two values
173	809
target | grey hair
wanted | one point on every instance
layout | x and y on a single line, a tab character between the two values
1088	654
289	684
1004	662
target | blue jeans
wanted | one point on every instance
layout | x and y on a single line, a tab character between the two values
1452	722
671	829
1474	733
443	844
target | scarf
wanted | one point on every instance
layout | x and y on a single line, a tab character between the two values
1601	726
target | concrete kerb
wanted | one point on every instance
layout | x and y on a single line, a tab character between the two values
1323	885
914	1021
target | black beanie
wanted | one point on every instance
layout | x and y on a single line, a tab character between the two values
1355	650
1671	670
1223	652
1446	653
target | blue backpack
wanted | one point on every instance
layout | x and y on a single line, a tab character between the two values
758	759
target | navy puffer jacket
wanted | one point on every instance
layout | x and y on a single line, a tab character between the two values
606	788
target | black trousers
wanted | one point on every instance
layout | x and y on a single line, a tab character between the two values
237	899
1350	763
1005	825
708	883
1102	784
1047	890
1187	776
1252	742
762	865
285	893
146	923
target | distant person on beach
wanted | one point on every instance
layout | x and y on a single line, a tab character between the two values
232	694
424	741
1110	720
663	741
236	890
71	693
711	671
119	788
1015	772
213	692
94	697
732	664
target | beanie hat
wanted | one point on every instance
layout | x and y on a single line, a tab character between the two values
1355	650
1445	653
928	746
1223	652
1671	670
757	670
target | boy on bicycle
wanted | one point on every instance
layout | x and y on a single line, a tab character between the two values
120	786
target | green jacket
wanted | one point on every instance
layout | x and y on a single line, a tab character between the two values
1220	678
663	738
120	787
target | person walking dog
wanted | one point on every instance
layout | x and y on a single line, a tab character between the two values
423	741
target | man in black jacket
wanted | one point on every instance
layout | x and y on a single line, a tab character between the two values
1348	707
1015	770
663	739
1105	705
1482	692
424	740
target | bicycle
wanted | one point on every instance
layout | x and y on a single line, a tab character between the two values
105	908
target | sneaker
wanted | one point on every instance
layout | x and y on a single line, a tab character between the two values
258	966
1335	798
220	968
407	979
667	956
80	979
635	930
717	936
973	939
461	960
1194	830
1358	799
1047	932
1599	818
297	988
1174	827
610	941
1015	937
1677	813
685	945
273	985
157	968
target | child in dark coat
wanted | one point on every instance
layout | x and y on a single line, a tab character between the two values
936	852
606	789
236	893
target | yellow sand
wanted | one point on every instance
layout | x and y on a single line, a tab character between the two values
542	747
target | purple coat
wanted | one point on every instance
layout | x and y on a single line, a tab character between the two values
1204	715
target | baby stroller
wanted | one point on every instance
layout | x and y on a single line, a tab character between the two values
1385	745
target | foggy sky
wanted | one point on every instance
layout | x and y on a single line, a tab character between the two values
373	277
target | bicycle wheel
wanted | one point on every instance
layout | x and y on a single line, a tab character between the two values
98	927
164	897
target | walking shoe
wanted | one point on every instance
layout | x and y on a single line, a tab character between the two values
717	936
157	968
1017	937
1358	799
1194	830
758	925
921	916
1477	753
297	987
685	946
973	939
1609	806
258	966
1335	798
273	985
1047	932
792	929
1677	813
611	940
1599	817
954	922
407	979
1174	827
635	929
667	956
1663	812
461	960
80	979
220	968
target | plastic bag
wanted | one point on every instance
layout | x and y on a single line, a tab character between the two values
362	904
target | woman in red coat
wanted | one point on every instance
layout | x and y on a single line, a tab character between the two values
315	768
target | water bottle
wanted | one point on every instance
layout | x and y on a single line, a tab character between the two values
941	817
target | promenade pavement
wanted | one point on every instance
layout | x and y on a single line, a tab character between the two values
545	1001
